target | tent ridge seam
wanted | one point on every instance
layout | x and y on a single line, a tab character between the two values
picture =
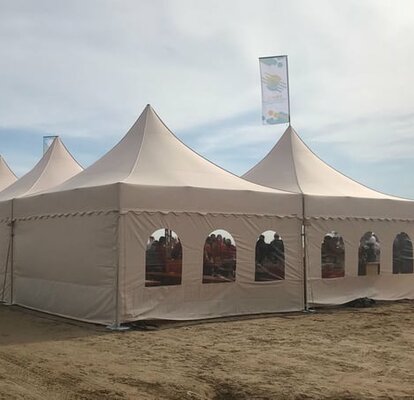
386	219
67	214
140	148
50	153
225	214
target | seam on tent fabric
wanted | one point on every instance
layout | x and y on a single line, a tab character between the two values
65	215
293	216
73	158
6	271
54	145
294	163
268	156
25	277
140	147
263	160
385	219
50	151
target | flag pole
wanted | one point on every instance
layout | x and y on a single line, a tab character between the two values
288	88
47	141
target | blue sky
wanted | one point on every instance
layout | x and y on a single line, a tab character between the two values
86	69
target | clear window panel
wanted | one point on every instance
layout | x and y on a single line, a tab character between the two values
402	254
269	257
219	259
163	261
369	254
333	256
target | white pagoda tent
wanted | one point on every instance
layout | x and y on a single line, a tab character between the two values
83	243
336	204
56	166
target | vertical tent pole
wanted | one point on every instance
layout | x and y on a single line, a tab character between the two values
304	252
116	325
119	247
12	254
6	268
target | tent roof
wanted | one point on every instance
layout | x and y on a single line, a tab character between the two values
292	166
152	170
56	166
150	155
7	177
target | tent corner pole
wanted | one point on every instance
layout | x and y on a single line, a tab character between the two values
304	254
306	308
116	324
12	253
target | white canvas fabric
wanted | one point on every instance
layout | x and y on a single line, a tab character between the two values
292	166
148	181
334	202
56	166
7	177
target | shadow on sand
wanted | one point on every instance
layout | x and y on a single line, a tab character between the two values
22	326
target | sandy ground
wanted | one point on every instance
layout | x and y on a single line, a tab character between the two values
341	353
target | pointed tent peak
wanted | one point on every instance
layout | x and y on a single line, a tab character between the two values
292	165
57	141
56	166
60	153
277	168
148	109
118	163
4	168
164	160
288	138
58	149
7	176
148	122
289	131
151	155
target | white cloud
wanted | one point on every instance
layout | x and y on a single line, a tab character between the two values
86	69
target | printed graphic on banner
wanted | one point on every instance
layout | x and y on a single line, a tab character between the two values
275	94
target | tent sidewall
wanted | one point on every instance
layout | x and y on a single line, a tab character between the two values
67	265
385	286
193	299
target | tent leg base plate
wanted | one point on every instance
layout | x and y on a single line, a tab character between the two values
117	328
309	311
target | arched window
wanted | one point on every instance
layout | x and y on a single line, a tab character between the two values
369	254
219	260
333	256
163	260
269	257
402	254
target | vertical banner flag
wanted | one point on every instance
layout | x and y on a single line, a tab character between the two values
275	90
